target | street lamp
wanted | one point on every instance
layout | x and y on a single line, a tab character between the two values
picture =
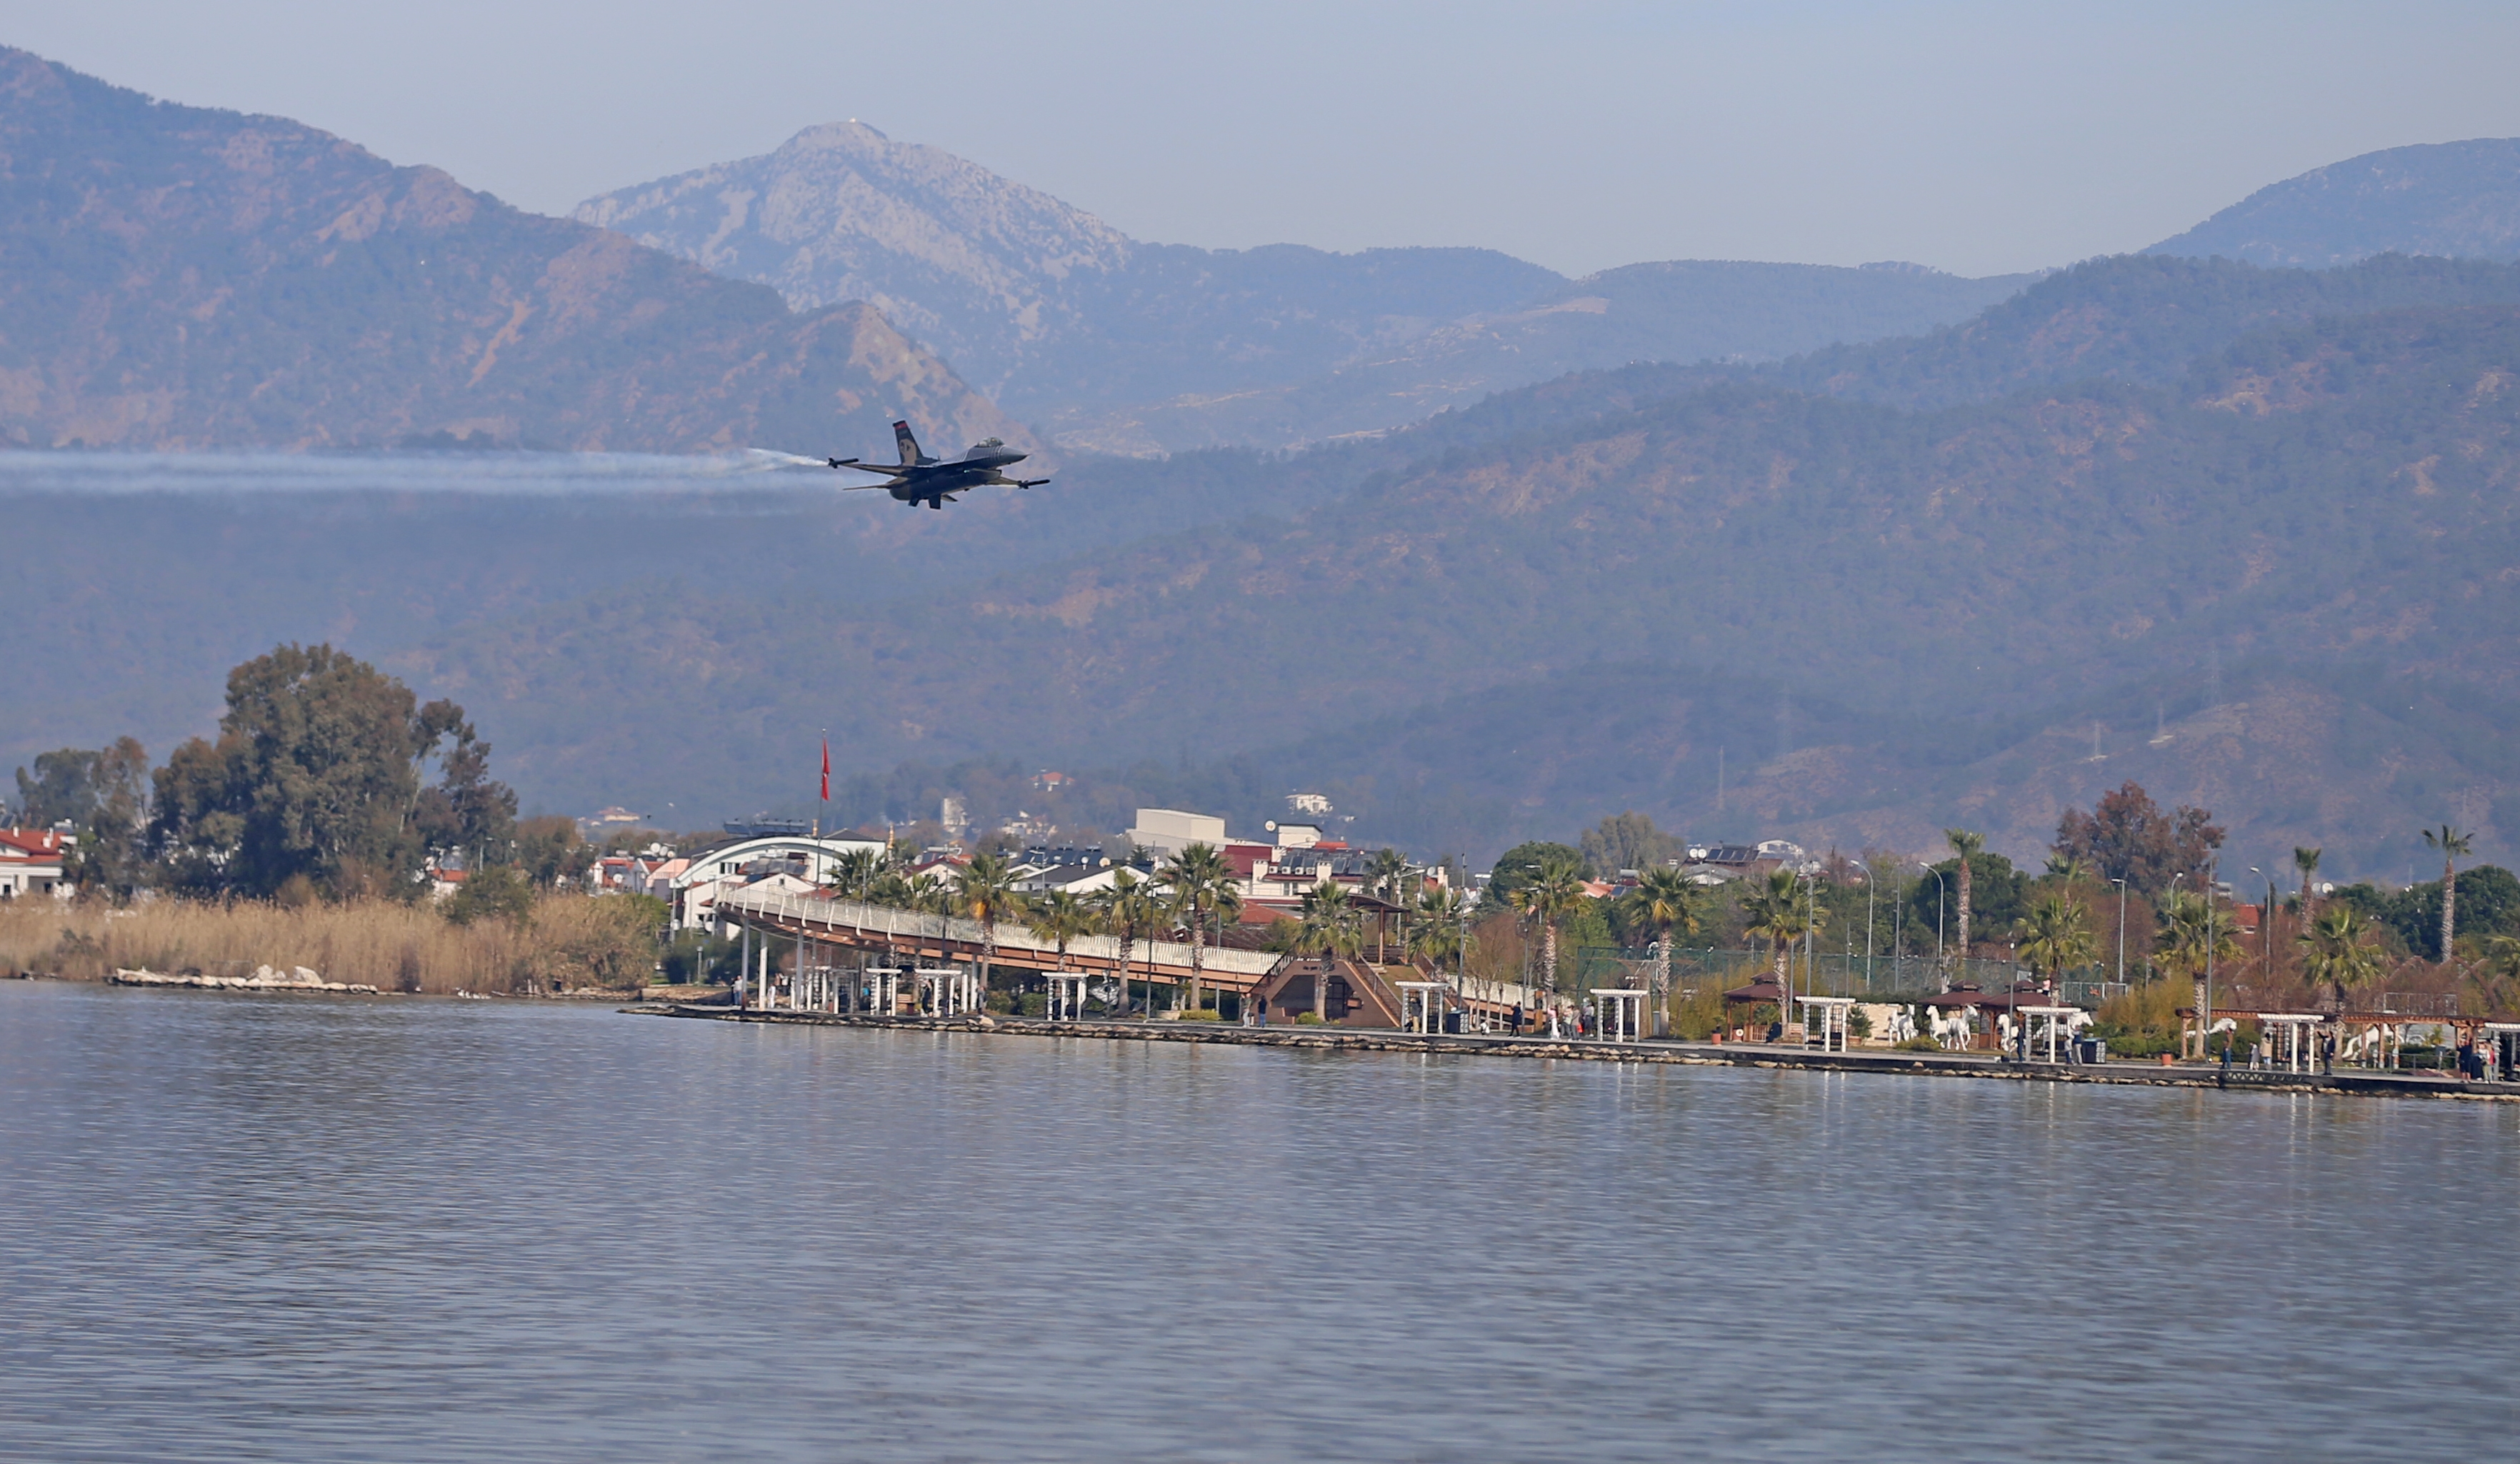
2122	897
1941	961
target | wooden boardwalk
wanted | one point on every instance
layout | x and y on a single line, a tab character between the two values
1691	1054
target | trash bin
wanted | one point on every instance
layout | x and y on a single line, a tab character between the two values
2090	1049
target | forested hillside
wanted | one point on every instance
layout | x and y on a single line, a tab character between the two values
2456	200
177	277
1995	577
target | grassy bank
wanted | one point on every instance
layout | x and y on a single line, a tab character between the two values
567	943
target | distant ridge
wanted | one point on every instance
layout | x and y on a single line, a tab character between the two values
178	277
2454	199
1117	345
1038	301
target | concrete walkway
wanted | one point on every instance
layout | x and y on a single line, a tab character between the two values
1694	1054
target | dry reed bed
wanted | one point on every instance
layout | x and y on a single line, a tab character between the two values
570	942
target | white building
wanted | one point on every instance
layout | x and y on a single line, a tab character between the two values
1170	831
30	863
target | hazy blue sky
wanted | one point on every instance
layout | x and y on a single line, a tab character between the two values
1976	137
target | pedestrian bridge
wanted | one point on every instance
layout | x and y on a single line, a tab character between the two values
909	937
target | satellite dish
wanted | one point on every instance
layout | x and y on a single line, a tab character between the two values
1271	825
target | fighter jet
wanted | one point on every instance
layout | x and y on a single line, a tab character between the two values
921	479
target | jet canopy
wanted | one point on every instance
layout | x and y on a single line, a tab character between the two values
985	446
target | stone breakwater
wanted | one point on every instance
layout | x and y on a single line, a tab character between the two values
263	979
1677	1053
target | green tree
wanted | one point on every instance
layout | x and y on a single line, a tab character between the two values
1327	928
2336	949
1060	918
491	892
988	894
1625	841
315	779
1439	927
1779	910
1553	892
2451	843
1965	845
2305	861
104	796
2194	936
1128	910
1666	902
1519	864
1198	878
2055	936
550	850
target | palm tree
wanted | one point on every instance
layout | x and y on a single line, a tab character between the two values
1060	918
1555	891
1198	877
889	889
2451	843
854	871
1383	874
2194	936
988	896
1779	911
1436	931
2332	950
2065	867
1327	928
2307	861
1665	901
931	895
1966	844
1127	909
2055	936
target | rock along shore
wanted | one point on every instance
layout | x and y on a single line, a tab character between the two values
263	979
1682	1053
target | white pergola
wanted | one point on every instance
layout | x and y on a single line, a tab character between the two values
1422	1004
2300	1041
2496	1035
1622	1011
948	991
2055	1017
883	990
1830	1013
1067	989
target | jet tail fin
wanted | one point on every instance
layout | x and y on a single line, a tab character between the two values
911	456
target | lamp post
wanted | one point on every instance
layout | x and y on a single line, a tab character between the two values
1941	961
2122	897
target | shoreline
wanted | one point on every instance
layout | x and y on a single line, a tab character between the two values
2355	1082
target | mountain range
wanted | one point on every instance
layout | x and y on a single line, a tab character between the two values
1116	345
1881	552
178	277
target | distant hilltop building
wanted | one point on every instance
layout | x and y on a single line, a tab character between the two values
604	820
1315	805
955	815
1046	781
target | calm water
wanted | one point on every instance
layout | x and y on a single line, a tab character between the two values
235	1227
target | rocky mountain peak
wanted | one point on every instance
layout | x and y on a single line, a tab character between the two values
956	255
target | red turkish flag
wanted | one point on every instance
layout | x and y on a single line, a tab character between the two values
827	769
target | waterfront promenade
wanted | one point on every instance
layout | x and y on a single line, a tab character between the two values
2360	1081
